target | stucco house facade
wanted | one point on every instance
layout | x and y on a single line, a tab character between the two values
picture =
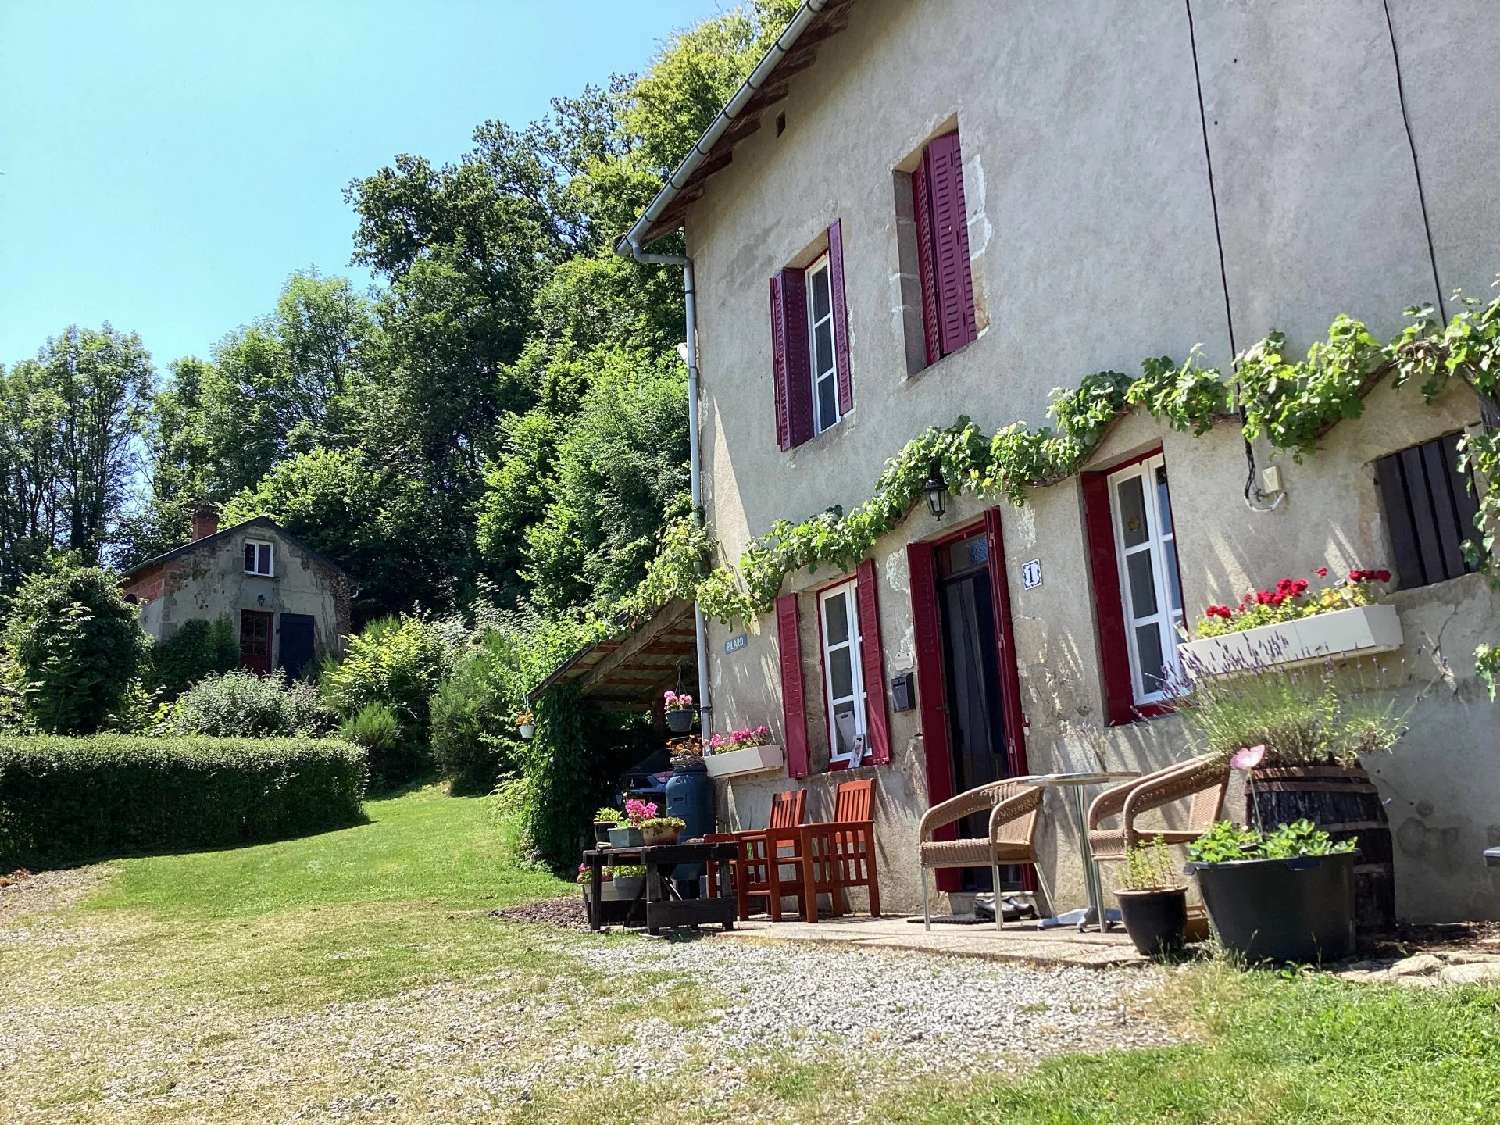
958	206
288	605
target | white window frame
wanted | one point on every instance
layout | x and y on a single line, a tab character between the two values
855	643
822	267
1163	548
270	547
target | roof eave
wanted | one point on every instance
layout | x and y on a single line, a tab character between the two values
658	220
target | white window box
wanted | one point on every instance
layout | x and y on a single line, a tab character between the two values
1340	635
751	759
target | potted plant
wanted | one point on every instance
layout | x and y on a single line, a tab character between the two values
617	884
526	723
1153	900
628	834
625	884
1297	622
1301	736
605	819
662	830
679	710
741	751
1286	895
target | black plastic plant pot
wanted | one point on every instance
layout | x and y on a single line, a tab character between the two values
1282	909
601	831
679	722
1155	920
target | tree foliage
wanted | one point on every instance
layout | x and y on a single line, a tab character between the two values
76	647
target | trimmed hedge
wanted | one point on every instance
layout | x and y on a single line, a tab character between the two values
63	800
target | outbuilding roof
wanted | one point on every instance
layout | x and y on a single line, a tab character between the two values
794	50
189	548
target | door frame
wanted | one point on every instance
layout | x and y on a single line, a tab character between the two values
932	686
270	622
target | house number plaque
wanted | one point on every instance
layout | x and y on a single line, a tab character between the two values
1031	574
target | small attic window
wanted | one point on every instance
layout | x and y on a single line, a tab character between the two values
258	558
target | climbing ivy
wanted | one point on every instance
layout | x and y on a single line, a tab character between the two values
1292	402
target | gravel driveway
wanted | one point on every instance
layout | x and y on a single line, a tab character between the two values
936	1013
611	1026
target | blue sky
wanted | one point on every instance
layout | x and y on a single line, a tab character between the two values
166	163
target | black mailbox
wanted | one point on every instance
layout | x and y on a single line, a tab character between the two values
903	698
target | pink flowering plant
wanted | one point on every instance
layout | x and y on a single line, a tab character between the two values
1293	598
676	701
739	739
637	812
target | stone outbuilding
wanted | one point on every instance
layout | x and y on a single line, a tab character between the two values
288	605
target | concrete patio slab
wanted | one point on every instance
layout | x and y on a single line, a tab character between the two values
1019	941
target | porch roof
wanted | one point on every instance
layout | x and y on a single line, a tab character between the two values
629	670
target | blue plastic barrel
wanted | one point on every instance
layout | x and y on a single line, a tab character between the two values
690	796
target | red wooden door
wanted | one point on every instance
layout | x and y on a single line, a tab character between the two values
255	641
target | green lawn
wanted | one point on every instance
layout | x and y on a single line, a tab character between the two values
358	973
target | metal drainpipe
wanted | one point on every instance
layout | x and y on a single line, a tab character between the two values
695	473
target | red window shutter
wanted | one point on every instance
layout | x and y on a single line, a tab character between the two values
950	230
793	709
840	316
799	401
921	189
1109	611
778	363
872	665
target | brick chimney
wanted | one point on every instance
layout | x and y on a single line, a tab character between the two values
205	521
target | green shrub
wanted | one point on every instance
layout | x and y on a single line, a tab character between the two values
76	646
64	800
393	759
198	649
400	662
245	705
473	739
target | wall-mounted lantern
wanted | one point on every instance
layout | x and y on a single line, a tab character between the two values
937	491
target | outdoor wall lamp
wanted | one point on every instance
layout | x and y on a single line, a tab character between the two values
937	491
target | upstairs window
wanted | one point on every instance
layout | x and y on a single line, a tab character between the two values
1430	508
258	558
940	217
811	381
1137	588
825	375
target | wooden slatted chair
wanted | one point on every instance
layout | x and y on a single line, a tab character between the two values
829	857
1013	805
1203	780
751	870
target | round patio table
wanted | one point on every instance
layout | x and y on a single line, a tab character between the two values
1073	785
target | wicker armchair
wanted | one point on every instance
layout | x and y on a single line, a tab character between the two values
1204	780
1013	806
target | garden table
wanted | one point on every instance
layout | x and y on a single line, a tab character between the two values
1073	784
664	905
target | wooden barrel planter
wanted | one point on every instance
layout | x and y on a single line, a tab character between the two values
1343	802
